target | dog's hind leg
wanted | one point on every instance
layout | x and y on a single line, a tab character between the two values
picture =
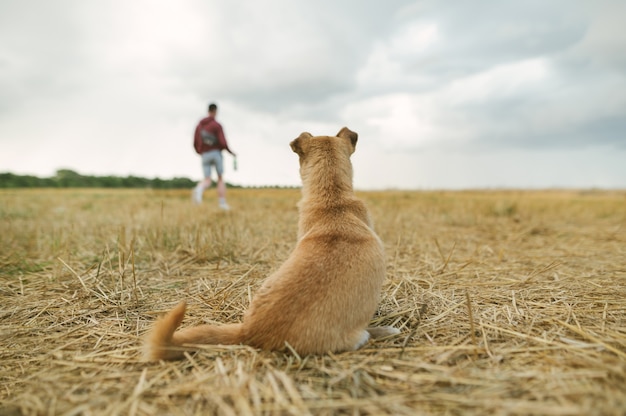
382	331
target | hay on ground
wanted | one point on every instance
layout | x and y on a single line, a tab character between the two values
510	303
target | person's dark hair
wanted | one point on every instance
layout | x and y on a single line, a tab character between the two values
212	107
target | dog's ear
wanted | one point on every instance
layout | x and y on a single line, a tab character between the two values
296	144
346	133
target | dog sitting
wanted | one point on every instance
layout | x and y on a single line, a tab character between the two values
324	295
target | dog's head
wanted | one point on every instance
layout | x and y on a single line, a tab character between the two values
306	144
325	153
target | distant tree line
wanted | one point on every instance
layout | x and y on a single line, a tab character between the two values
65	178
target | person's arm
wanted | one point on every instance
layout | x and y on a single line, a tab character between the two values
197	140
222	139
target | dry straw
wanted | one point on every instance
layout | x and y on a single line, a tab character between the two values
510	303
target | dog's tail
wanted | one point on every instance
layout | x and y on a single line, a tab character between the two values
164	343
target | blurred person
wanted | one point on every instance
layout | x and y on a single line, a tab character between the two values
209	141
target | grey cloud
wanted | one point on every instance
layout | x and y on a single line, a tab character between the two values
307	53
41	53
581	103
475	36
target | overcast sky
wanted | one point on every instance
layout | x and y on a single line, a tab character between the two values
454	94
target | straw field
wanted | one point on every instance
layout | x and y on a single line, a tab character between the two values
509	303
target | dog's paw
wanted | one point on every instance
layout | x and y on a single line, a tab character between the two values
365	336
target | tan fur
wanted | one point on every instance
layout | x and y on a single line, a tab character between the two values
322	298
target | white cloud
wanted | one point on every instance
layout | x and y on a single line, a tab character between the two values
399	122
394	63
499	82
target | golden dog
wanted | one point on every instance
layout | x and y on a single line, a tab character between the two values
323	297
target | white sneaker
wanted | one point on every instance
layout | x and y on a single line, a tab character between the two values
224	206
196	195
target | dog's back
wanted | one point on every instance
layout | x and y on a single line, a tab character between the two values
323	296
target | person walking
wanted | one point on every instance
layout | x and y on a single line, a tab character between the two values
209	141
